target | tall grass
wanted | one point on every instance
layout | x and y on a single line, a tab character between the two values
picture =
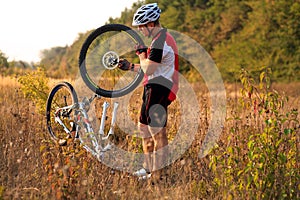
257	156
260	156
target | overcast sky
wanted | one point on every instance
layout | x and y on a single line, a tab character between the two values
29	26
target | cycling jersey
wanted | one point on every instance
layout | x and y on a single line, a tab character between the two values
163	50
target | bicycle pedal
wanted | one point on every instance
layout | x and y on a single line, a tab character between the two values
100	156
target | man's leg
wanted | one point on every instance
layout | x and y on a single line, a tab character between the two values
160	154
148	146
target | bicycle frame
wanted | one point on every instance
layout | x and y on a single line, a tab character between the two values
81	117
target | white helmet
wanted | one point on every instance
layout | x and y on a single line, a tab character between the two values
145	14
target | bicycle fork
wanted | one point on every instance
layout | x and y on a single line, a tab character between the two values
99	148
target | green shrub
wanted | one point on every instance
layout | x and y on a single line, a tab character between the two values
34	86
260	159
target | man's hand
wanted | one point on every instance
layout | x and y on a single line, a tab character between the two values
139	49
124	64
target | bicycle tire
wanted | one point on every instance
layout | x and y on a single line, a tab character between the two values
54	100
107	39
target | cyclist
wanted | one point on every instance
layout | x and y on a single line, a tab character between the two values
159	62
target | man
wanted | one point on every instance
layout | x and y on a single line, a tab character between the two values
159	62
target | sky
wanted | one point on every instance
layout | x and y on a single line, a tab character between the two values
29	26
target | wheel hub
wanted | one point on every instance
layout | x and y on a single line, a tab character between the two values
110	60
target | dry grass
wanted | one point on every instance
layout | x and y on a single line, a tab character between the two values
33	167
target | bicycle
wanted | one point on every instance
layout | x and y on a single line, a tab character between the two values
99	57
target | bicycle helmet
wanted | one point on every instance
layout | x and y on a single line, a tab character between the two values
145	14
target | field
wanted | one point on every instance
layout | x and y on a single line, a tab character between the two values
257	156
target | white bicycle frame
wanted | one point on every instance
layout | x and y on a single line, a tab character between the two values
81	114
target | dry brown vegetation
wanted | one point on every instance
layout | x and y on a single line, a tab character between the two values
33	167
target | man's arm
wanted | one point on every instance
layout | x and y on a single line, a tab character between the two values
148	66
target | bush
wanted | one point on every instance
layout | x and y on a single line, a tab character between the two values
34	86
261	158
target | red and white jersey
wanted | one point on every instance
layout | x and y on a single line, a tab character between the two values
163	50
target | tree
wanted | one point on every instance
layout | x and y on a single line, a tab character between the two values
269	37
3	60
238	34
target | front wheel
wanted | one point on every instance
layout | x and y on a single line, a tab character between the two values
59	112
99	58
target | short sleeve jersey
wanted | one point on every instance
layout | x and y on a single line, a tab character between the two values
163	50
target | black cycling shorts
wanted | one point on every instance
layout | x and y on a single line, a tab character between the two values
154	110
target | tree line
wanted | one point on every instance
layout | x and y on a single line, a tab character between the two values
238	34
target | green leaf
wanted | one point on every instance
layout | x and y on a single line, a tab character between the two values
287	131
250	144
261	76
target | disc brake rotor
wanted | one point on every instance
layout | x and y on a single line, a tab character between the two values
110	60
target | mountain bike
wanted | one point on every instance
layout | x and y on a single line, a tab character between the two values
98	63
